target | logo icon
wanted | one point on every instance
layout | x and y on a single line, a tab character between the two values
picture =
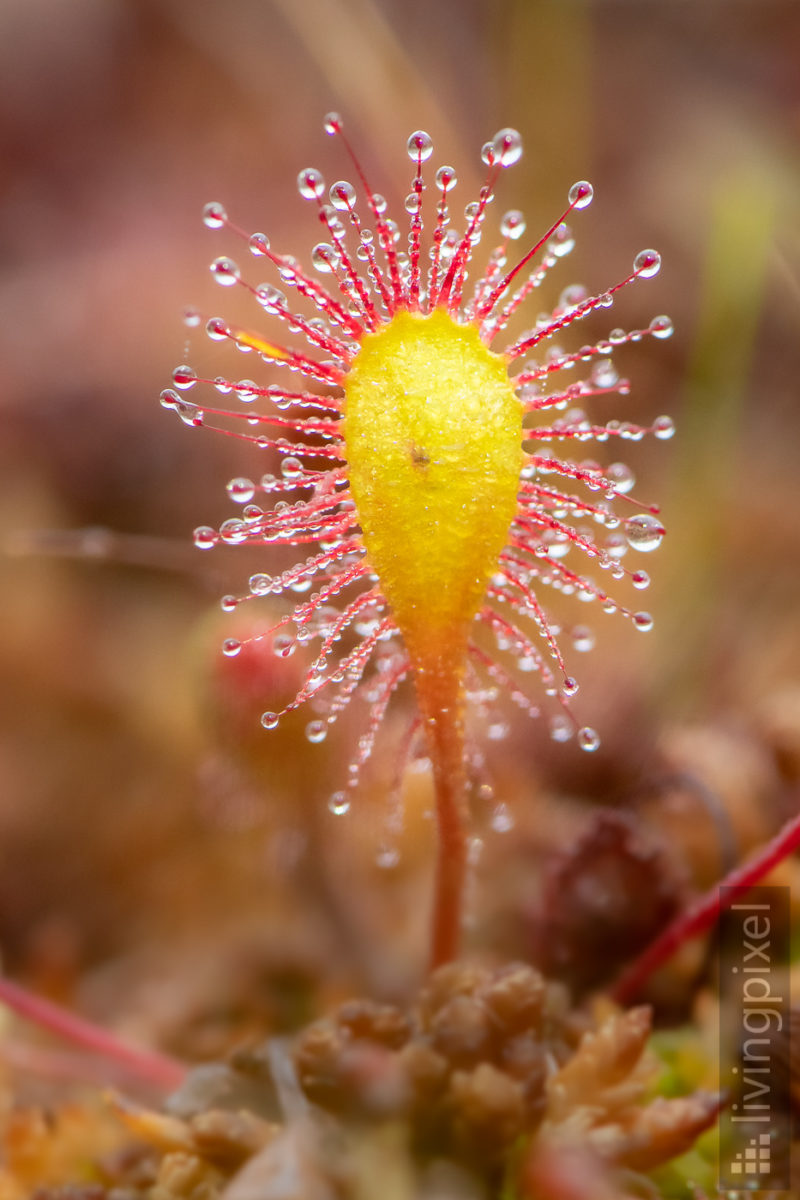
754	1159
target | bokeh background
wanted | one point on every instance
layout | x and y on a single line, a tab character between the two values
163	862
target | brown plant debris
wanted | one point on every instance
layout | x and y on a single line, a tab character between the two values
604	899
490	1074
595	1100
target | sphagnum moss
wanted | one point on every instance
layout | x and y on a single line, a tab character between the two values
419	469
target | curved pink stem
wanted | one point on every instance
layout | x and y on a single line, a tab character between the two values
704	913
159	1070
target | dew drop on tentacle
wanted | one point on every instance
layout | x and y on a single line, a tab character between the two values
420	146
506	147
342	195
205	538
661	327
644	532
561	728
217	330
260	584
647	264
339	803
583	639
241	490
588	738
502	819
513	224
247	390
311	184
258	244
184	378
324	258
664	428
621	476
225	271
291	467
581	194
603	373
214	215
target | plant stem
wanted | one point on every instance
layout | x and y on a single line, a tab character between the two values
441	704
451	850
701	915
159	1070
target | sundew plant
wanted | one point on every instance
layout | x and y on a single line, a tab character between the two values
425	471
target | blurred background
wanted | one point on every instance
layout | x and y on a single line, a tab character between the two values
163	862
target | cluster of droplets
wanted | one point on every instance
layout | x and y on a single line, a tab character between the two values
368	277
